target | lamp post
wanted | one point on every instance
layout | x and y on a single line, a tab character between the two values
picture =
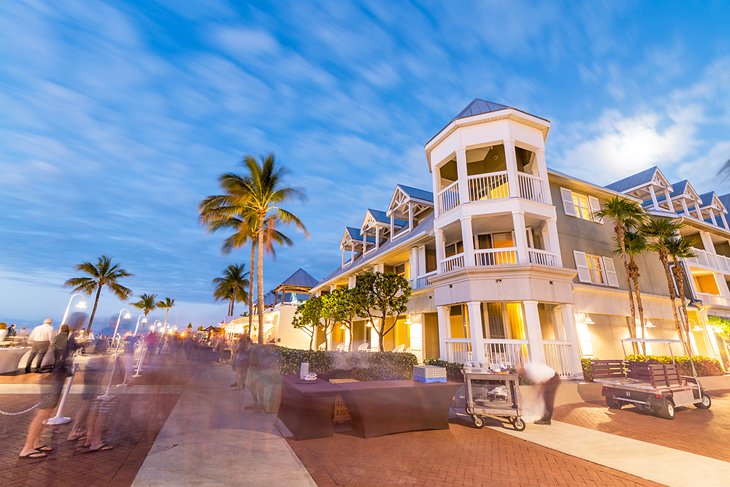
154	326
127	316
80	305
144	322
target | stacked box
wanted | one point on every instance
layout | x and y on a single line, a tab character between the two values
429	373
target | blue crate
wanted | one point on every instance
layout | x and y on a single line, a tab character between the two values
428	380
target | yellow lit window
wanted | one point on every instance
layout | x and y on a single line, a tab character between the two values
582	206
595	267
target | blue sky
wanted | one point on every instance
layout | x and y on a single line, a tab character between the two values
117	118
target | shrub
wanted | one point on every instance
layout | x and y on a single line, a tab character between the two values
383	366
705	365
453	369
587	365
290	359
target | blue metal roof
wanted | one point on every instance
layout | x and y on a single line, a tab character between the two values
707	198
634	180
355	234
300	278
725	200
679	188
382	217
478	106
419	194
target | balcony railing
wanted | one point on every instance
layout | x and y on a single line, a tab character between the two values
458	350
559	355
490	257
532	187
716	299
422	281
710	260
489	186
542	257
452	263
449	197
513	353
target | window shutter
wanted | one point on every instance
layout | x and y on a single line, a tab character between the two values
568	206
581	264
610	269
595	208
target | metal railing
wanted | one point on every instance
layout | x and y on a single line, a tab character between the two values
423	281
452	263
458	350
559	356
531	187
490	257
708	259
449	197
542	257
513	353
488	186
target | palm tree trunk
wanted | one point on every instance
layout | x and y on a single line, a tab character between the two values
635	279
260	278
167	311
93	311
679	277
672	298
621	235
250	288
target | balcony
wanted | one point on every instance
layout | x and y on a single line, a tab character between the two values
713	299
500	257
711	261
490	257
513	353
452	263
492	186
458	350
559	355
422	282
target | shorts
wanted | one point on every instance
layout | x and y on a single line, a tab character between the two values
105	405
51	399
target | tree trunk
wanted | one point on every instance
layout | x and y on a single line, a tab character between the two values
167	312
381	344
349	344
679	276
635	279
260	278
621	236
250	288
93	311
672	297
311	339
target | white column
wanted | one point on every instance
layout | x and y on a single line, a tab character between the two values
698	211
707	242
462	175
554	241
377	237
543	173
391	225
712	217
421	256
436	183
518	220
343	256
670	203
410	216
413	264
534	332
443	322
571	335
467	237
364	241
684	207
351	282
352	252
476	332
511	157
653	197
724	221
440	250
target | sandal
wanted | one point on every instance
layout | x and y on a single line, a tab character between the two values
103	447
44	448
32	455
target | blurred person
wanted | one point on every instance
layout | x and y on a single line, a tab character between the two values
60	344
127	359
3	331
240	361
547	381
23	332
34	447
93	373
41	339
11	331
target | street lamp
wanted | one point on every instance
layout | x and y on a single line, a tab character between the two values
127	315
80	305
144	322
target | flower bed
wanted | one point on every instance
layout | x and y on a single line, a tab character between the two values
705	366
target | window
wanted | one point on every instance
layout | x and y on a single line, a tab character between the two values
454	248
580	205
595	269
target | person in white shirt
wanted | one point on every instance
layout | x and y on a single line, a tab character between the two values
40	340
548	381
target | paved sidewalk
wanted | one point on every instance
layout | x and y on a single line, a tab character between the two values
216	436
652	462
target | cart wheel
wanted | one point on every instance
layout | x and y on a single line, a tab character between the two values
613	403
706	402
518	424
478	421
666	410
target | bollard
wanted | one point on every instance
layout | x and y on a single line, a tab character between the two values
58	418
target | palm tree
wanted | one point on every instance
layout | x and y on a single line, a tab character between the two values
166	303
680	248
231	286
625	215
147	303
659	233
101	274
636	244
257	194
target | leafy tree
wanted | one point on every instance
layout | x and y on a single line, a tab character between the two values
147	303
103	273
231	286
381	297
626	215
338	305
166	304
308	317
659	233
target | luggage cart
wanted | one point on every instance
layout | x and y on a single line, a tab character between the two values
493	394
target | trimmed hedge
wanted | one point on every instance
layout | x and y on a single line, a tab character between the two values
383	365
453	369
705	366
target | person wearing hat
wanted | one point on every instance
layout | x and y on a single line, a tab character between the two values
40	340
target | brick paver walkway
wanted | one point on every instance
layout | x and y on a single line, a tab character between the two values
703	432
138	420
460	456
